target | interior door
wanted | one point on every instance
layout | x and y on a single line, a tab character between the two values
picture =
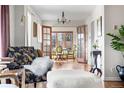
81	42
46	40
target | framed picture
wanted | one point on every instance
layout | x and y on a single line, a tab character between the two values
69	37
99	26
34	29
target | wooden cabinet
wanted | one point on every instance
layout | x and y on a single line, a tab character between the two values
46	40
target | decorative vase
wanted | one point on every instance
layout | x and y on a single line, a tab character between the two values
120	70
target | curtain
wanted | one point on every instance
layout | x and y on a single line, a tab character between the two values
4	30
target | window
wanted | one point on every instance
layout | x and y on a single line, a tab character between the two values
64	39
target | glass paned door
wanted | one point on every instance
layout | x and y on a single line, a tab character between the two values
47	39
81	42
64	39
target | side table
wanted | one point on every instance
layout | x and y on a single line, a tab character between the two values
95	55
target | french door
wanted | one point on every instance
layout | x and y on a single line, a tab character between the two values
81	42
46	40
64	39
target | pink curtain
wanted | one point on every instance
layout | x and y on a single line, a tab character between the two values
5	30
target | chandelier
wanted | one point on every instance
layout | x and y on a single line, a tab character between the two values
63	20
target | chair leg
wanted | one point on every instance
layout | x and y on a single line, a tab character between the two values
35	85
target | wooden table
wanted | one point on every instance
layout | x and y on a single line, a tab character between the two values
13	75
59	56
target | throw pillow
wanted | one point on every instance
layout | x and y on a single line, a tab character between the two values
40	66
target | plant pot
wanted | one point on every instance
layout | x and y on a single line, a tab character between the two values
120	70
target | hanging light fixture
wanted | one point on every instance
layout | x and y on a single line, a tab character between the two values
63	20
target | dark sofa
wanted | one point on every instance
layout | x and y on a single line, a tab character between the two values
25	56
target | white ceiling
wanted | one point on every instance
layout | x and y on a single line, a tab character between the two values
72	12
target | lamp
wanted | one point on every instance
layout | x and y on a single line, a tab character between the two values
63	20
22	20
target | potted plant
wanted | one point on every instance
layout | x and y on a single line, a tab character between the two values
117	43
95	45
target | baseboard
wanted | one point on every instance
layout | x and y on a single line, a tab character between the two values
112	79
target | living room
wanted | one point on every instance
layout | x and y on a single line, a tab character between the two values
68	34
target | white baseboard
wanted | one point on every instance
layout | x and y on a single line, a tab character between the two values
112	79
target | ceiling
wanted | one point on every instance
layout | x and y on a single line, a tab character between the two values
72	12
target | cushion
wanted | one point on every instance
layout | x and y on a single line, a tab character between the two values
22	55
40	54
40	66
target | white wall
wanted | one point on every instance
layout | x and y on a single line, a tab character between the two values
19	28
35	41
12	25
99	11
18	34
73	29
114	15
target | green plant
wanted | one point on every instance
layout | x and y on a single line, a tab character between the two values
117	41
95	46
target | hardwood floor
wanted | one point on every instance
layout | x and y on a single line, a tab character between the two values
114	84
107	84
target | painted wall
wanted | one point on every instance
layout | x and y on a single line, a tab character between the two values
19	27
114	15
35	41
12	25
18	30
99	11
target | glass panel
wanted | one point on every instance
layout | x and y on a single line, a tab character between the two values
53	40
80	43
47	36
46	48
63	39
44	30
48	30
46	43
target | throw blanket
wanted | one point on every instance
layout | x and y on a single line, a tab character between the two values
73	79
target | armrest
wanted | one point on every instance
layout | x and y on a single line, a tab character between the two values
8	75
6	59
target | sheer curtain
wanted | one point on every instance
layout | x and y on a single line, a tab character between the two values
4	30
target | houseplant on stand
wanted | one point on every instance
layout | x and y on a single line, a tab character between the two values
117	43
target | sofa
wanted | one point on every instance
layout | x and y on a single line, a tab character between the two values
24	57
